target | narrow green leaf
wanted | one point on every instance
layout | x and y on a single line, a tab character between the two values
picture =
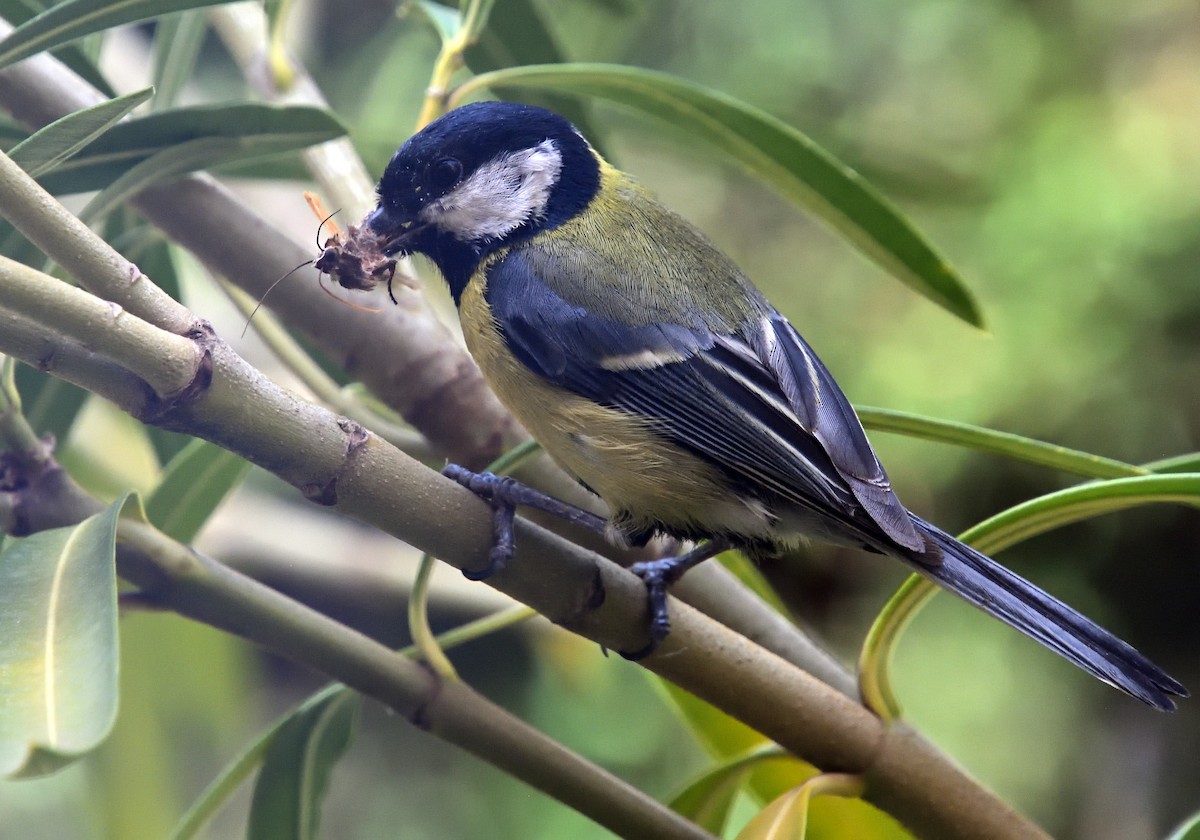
194	483
1190	830
708	799
177	42
521	35
476	17
1074	504
250	131
46	148
786	818
783	157
58	663
1177	464
444	20
51	404
1001	443
1005	529
75	56
221	788
164	165
295	773
74	19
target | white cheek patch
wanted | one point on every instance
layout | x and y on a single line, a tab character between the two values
499	196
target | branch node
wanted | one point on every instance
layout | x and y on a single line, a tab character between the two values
158	410
420	717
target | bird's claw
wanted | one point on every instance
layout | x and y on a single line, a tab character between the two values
496	491
657	575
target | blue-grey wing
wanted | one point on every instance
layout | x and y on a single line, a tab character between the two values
755	402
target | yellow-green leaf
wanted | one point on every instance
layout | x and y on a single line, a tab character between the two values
46	148
195	481
74	19
295	772
58	660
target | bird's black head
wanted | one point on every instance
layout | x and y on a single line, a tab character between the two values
480	177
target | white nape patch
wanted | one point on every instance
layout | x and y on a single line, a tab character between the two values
499	196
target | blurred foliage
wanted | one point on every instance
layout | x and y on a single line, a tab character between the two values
1052	150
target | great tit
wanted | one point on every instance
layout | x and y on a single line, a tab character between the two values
654	372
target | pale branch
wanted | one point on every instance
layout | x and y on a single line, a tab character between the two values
102	327
193	585
403	354
336	462
85	256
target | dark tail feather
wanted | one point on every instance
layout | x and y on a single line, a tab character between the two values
1018	603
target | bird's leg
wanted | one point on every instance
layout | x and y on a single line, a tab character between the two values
660	574
504	493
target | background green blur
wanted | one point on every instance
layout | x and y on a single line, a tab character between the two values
1052	151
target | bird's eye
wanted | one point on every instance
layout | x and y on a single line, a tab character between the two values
446	172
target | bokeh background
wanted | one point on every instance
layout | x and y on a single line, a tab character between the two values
1050	149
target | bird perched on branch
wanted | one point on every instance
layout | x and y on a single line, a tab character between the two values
655	373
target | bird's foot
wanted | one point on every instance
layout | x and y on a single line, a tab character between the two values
658	575
504	493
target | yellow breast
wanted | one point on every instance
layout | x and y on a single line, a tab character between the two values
645	480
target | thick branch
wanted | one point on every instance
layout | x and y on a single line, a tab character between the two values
403	354
200	588
336	462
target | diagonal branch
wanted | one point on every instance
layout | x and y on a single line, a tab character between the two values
403	354
335	462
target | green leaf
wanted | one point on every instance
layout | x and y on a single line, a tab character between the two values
1074	504
1177	464
1001	443
45	149
74	56
51	404
708	799
74	19
786	818
445	20
221	788
520	35
169	163
248	131
783	157
1005	529
177	42
295	773
194	483
58	663
1190	830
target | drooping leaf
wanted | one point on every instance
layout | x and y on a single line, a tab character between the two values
1190	830
74	56
1000	443
58	663
248	131
188	156
780	155
516	35
295	773
194	483
73	19
786	818
177	42
445	20
50	404
708	799
46	148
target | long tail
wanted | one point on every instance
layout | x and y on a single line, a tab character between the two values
994	589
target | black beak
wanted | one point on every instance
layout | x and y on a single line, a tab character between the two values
397	231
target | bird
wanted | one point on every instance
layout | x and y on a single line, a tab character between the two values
655	373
